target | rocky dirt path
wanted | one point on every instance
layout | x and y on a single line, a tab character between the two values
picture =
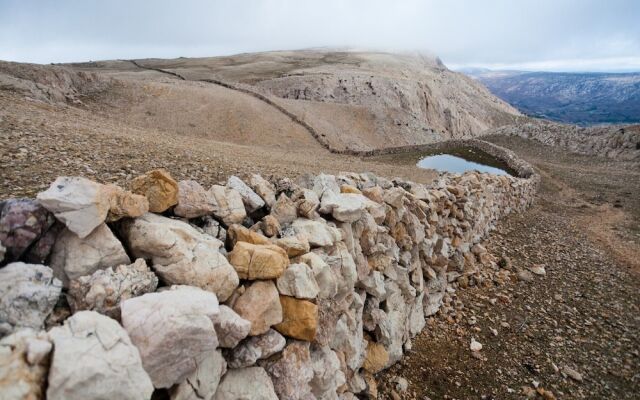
569	334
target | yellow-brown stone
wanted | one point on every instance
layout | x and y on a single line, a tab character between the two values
376	358
299	319
125	204
238	233
349	189
158	187
257	261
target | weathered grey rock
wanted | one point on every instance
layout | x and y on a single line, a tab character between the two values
80	203
203	382
24	363
326	280
307	202
345	207
180	254
394	332
318	234
374	285
327	376
264	189
256	348
22	223
246	384
104	290
228	205
230	327
348	337
172	329
292	372
260	305
90	345
193	200
343	267
436	285
284	210
324	183
73	257
251	200
294	245
298	281
28	293
395	197
270	226
40	250
213	228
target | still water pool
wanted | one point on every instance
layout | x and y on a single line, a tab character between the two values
457	164
461	160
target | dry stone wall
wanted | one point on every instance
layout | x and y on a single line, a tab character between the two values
614	141
261	289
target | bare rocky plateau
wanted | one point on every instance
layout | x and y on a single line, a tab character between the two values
550	309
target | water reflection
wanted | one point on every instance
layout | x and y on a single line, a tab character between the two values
451	163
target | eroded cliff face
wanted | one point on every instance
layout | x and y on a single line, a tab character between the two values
54	84
411	99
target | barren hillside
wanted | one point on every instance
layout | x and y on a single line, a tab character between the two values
357	101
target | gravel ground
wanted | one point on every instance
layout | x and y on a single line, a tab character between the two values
570	334
40	141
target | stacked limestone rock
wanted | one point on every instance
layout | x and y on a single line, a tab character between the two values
253	289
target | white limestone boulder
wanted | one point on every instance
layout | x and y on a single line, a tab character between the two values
292	372
326	280
327	375
24	364
246	384
298	281
256	348
251	200
228	205
318	233
230	327
94	358
264	189
180	254
81	204
260	304
73	256
203	382
193	200
105	289
28	294
173	329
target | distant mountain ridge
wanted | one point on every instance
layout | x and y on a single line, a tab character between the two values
580	98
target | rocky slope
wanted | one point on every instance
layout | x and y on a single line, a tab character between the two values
610	141
577	98
357	101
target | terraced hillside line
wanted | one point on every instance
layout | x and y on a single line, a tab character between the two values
134	62
318	137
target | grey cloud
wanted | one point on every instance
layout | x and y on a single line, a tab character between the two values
570	33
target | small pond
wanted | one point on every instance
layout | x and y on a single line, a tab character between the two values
455	159
463	160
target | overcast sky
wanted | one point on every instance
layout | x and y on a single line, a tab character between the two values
561	35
